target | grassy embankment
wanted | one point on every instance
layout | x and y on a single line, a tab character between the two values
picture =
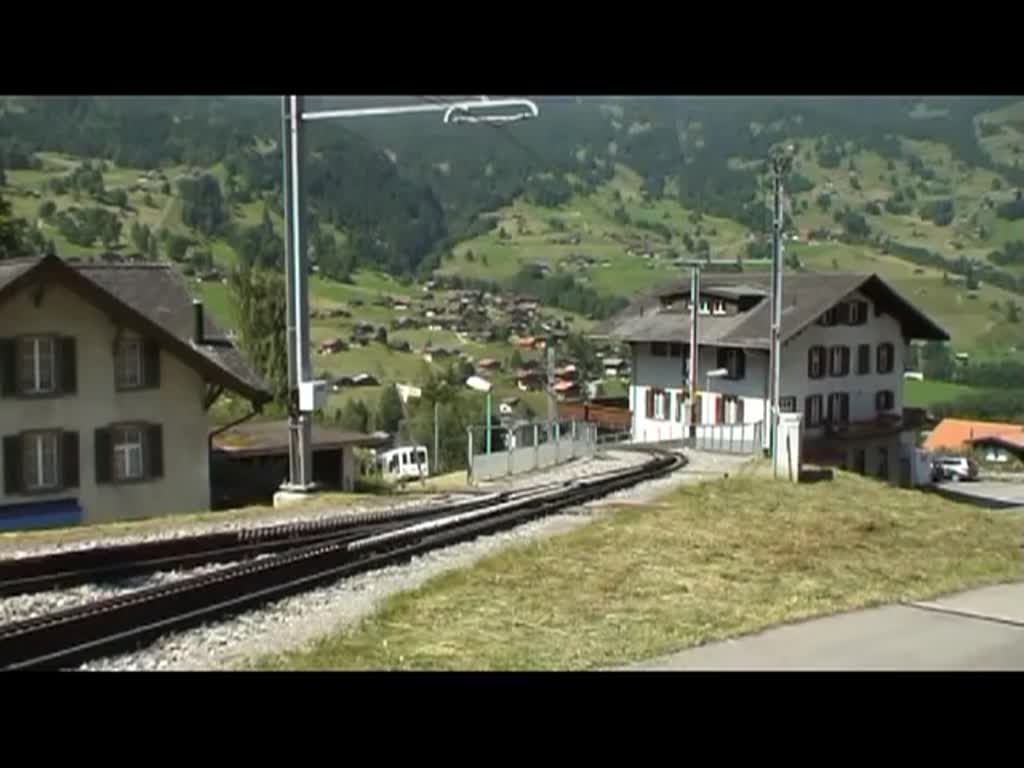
703	563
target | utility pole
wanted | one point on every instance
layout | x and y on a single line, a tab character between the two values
437	453
694	348
300	432
552	407
305	395
780	165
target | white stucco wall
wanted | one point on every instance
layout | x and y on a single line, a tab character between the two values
667	373
861	389
177	405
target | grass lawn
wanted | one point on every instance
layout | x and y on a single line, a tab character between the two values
925	393
706	562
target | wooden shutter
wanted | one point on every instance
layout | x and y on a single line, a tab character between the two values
720	409
862	312
846	361
741	364
722	358
69	459
844	414
103	455
810	363
739	410
12	464
155	450
864	359
67	361
807	411
649	399
8	367
151	364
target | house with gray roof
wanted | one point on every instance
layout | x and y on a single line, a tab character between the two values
107	375
845	342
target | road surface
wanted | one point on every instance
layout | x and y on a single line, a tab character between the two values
978	630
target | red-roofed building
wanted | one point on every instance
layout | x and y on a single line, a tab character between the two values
959	434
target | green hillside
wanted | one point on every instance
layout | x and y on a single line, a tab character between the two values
600	198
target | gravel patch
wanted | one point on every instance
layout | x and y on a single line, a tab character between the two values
14	548
296	621
22	607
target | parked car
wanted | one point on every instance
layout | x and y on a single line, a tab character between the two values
955	468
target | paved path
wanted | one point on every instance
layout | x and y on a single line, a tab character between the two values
978	630
992	493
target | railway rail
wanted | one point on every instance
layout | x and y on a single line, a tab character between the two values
70	637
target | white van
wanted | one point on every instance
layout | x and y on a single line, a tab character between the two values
405	462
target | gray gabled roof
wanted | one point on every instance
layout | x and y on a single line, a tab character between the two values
153	299
806	295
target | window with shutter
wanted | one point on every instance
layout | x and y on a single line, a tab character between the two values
37	365
155	447
816	362
812	410
8	367
863	359
151	364
69	459
839	360
129	372
885	358
12	464
102	456
659	348
787	404
68	362
40	461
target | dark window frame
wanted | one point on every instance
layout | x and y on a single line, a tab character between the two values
890	348
659	348
843	369
822	354
863	359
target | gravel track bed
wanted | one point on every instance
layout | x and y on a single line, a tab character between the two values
22	607
295	621
14	548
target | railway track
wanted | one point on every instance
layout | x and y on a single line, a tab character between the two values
70	637
117	561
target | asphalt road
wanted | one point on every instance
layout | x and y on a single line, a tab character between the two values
989	492
978	630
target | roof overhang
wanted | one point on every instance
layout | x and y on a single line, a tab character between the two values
51	268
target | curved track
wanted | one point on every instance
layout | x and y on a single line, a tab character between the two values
70	637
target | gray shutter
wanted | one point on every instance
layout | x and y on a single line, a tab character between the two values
102	455
151	363
12	464
155	448
68	365
69	459
8	367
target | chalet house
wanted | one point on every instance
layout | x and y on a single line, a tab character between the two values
614	366
107	372
845	343
331	346
529	380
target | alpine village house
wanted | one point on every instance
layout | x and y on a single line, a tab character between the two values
845	342
107	372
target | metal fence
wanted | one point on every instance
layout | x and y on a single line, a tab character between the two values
527	447
728	438
744	439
